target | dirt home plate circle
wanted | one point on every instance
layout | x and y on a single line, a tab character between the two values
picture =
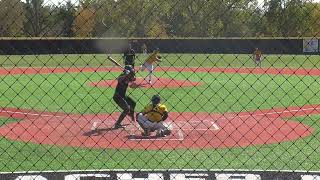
189	130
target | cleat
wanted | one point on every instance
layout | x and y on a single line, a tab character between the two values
119	126
131	136
163	133
94	126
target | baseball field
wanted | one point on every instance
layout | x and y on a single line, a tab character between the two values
225	112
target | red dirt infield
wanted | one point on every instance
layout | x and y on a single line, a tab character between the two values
158	82
190	130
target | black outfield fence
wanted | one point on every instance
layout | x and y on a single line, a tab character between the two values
194	45
159	90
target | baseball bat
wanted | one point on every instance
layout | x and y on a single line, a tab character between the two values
115	62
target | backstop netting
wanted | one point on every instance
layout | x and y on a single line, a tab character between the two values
154	89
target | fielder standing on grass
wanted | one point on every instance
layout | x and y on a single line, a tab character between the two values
152	117
257	56
148	64
124	102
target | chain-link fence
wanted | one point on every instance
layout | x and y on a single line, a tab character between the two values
159	89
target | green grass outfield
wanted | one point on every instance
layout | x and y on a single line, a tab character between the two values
220	93
190	60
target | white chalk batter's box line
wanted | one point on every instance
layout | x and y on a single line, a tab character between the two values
184	126
192	126
103	120
131	131
168	138
178	131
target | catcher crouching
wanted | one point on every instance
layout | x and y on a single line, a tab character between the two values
152	117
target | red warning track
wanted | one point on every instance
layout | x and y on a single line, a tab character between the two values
190	130
274	71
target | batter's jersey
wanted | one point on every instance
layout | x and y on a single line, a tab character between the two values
155	114
121	88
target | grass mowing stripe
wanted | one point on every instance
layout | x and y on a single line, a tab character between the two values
220	92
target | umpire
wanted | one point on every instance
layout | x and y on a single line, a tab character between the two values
124	102
129	56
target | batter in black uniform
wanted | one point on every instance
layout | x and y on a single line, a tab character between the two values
125	102
129	57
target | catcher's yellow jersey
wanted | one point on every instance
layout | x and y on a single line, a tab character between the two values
152	58
155	114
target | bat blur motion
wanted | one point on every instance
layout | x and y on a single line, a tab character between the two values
115	62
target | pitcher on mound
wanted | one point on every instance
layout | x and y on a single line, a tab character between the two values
148	64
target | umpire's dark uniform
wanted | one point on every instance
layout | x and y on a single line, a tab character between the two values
125	102
129	56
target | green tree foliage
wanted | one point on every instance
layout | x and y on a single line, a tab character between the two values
12	18
84	21
313	20
160	19
66	16
274	16
105	18
35	17
289	17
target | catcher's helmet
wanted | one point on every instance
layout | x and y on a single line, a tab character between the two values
156	99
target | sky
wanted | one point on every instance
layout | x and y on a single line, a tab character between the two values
56	2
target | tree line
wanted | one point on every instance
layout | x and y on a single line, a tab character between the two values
158	18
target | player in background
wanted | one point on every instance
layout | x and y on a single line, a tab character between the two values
257	56
144	49
124	102
129	56
148	64
152	117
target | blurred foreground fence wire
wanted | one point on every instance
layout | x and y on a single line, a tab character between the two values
136	89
